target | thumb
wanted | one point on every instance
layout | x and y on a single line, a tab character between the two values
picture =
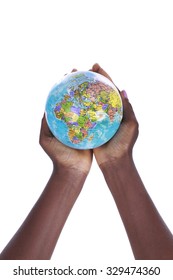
45	131
128	113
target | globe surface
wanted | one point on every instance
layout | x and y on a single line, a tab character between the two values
84	110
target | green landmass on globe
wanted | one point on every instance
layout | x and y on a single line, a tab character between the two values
84	110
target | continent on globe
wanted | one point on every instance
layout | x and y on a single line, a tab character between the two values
84	110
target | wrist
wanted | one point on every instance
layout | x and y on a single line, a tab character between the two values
79	163
69	178
117	173
61	170
114	165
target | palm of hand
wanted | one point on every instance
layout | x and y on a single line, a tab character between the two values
61	155
120	145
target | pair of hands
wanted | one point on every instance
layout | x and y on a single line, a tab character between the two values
118	147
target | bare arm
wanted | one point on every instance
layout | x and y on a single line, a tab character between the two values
149	237
37	236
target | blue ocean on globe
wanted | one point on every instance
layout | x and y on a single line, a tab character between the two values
84	110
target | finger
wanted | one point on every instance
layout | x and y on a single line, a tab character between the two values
128	113
45	131
97	68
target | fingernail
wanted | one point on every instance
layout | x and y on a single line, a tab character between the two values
124	94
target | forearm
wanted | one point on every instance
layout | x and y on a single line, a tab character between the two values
148	235
37	236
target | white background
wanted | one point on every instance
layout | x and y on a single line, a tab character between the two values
40	41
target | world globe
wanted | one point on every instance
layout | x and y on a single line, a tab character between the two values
84	110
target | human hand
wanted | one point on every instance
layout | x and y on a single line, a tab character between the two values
122	143
61	155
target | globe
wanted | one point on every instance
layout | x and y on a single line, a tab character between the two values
84	110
